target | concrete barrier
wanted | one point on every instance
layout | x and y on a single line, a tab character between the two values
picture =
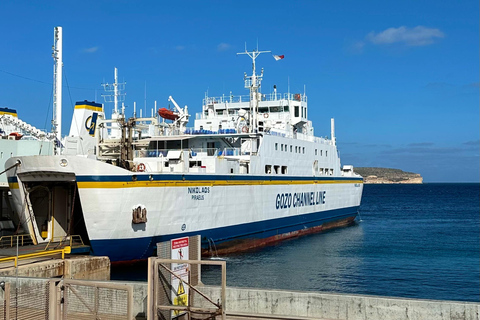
80	268
341	306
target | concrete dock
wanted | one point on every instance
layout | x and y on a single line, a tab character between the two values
50	288
248	303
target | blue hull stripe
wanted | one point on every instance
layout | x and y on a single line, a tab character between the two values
202	177
142	248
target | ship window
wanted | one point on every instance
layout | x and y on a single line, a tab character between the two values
284	169
302	111
268	169
326	153
276	146
276	109
321	152
262	109
291	148
281	147
195	164
303	150
277	169
296	111
286	108
315	151
220	112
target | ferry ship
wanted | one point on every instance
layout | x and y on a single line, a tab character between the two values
249	173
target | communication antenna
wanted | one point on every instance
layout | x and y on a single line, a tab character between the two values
114	92
253	83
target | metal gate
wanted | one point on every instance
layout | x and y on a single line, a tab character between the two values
93	300
24	302
65	299
163	305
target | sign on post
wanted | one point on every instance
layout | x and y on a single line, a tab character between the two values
179	288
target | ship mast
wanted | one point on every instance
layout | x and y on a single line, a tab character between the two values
115	94
57	82
253	83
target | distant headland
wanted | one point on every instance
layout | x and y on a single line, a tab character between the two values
388	176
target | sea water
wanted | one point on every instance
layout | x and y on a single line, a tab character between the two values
413	241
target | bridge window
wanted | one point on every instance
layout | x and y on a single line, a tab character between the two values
297	112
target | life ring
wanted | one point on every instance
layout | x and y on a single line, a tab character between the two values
265	115
141	167
245	129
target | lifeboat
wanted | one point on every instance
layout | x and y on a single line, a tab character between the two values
167	114
17	135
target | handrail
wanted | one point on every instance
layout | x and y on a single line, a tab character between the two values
5	240
63	251
70	239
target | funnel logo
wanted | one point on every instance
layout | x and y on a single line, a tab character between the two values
91	124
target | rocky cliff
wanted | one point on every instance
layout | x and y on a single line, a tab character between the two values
388	176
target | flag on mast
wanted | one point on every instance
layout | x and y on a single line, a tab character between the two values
278	57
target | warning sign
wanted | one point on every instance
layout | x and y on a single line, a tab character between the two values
179	251
181	289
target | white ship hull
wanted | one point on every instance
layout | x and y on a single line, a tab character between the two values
234	212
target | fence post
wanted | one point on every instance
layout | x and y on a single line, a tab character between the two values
7	300
52	302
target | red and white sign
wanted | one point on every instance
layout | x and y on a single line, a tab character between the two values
179	251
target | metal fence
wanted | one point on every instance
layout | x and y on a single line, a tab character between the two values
66	300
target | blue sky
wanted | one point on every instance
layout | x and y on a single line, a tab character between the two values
400	78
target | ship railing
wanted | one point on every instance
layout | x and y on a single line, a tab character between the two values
246	98
192	131
194	152
229	152
155	153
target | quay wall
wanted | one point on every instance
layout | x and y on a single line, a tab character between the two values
80	268
332	306
297	304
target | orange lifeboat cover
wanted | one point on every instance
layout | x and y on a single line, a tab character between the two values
167	114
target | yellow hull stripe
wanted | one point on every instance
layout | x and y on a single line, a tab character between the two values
143	184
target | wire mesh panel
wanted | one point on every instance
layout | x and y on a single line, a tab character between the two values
25	302
84	300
